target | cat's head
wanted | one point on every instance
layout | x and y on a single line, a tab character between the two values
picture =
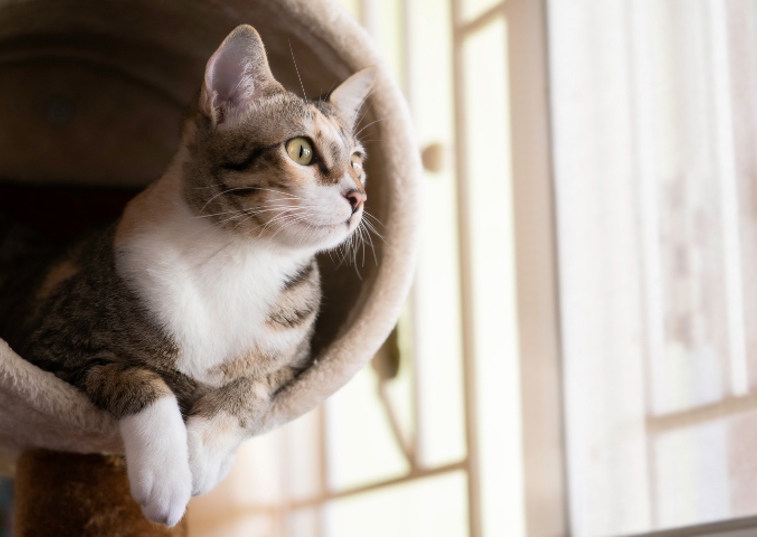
264	162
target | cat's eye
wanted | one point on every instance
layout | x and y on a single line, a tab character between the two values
356	161
300	151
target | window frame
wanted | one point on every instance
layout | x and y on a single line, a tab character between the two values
545	492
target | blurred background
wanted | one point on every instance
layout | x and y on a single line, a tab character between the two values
579	354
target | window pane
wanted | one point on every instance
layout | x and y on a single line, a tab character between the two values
654	122
437	291
433	507
362	448
489	178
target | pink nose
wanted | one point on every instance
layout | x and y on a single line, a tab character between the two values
356	199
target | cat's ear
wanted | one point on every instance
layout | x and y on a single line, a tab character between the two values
235	76
351	94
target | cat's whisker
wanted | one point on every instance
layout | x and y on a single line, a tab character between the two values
365	110
284	226
368	125
219	195
243	211
373	249
280	192
340	254
354	254
292	211
288	219
371	223
223	213
373	231
296	69
371	220
282	210
285	195
360	242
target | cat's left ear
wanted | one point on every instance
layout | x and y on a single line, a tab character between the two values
351	94
236	75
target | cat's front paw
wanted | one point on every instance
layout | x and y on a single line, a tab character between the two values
212	448
157	462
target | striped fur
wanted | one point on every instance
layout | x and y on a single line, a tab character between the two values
199	303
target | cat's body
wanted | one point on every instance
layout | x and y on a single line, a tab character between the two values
186	316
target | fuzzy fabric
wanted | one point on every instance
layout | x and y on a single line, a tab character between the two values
164	45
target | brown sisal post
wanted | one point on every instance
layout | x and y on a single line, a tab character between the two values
73	495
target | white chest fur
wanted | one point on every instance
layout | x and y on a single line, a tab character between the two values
210	290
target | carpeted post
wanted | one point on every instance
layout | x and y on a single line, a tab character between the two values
73	495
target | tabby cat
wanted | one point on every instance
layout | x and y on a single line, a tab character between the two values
185	316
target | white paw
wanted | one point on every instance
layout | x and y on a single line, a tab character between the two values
212	447
155	442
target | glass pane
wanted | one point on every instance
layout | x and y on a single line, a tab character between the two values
300	474
654	122
489	178
432	507
706	471
362	448
436	294
383	20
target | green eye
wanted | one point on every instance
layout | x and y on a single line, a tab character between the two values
300	151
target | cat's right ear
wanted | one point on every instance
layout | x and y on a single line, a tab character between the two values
350	95
236	75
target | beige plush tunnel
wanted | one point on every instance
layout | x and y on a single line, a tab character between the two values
92	93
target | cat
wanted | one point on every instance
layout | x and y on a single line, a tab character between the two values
186	315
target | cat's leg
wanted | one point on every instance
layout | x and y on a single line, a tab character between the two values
154	436
221	419
216	426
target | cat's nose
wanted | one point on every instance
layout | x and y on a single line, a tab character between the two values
356	199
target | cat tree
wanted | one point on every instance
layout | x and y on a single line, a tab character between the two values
91	95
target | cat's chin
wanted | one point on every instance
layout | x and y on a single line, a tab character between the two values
317	237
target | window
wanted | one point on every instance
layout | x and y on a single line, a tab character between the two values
654	121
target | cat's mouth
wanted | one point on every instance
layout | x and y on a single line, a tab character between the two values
323	231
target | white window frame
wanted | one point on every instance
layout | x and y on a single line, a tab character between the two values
536	263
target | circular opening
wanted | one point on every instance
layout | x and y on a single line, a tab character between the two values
92	96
